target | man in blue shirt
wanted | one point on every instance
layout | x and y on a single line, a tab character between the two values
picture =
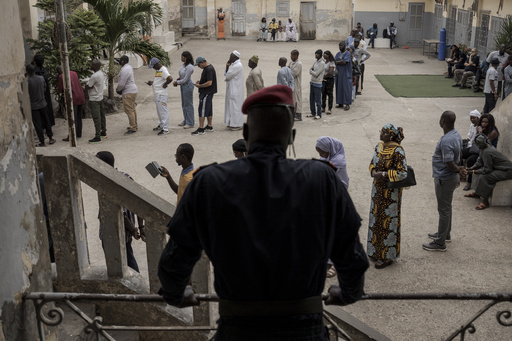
372	34
446	178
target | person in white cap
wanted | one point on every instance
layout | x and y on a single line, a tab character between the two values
160	83
470	152
234	74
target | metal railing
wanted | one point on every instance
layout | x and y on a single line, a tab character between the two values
53	316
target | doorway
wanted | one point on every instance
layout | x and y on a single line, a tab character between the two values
416	23
307	20
187	16
239	11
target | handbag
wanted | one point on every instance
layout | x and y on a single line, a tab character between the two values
409	181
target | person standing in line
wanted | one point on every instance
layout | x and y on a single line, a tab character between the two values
95	87
41	71
234	75
502	57
187	89
343	80
316	71
491	86
328	82
128	216
296	67
77	92
272	28
284	75
36	88
274	298
507	78
207	86
372	34
291	30
239	148
184	155
388	163
361	55
254	80
159	84
392	31
350	39
359	28
446	176
127	88
221	15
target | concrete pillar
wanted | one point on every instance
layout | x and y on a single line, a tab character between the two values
199	279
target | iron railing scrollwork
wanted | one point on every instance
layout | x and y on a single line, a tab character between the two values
48	314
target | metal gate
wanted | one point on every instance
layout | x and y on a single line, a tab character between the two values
238	8
187	15
482	31
416	23
450	26
307	20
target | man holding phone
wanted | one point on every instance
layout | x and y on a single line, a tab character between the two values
184	155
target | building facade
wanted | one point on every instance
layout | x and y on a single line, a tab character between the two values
321	19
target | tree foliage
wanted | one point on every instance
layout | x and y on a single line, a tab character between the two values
504	36
86	30
125	25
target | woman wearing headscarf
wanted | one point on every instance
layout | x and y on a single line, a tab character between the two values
263	30
388	163
332	150
492	166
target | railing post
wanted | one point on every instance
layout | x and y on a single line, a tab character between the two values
155	244
65	210
200	283
113	234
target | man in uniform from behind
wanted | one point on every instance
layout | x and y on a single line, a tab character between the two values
286	219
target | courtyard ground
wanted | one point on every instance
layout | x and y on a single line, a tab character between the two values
478	258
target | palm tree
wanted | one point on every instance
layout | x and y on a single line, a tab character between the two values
124	24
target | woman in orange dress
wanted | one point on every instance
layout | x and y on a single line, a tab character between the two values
220	24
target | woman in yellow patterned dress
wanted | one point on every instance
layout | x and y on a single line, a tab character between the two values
388	163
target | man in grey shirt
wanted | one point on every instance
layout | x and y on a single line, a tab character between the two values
36	90
446	178
127	88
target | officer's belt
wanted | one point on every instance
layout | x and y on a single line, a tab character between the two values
310	305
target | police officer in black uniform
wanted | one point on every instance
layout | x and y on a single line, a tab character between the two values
268	224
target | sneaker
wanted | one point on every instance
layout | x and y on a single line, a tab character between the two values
103	135
455	85
130	132
182	124
328	112
208	129
187	126
199	131
433	246
157	128
434	236
163	132
317	117
95	140
66	139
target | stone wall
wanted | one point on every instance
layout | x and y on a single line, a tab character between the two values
25	264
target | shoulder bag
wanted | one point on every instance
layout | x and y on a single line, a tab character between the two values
409	181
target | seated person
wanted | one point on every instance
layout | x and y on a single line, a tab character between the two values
450	61
470	67
461	59
487	127
492	166
481	71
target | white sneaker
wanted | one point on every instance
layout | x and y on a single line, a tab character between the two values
317	117
186	126
181	124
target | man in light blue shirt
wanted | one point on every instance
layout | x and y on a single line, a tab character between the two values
284	75
372	34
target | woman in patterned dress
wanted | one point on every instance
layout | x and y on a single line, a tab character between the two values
388	163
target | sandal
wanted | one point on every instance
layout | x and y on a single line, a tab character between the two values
481	206
331	272
471	195
467	187
310	115
382	264
52	141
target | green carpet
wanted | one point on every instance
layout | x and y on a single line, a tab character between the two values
423	86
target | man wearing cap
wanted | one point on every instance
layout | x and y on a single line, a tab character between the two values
296	67
254	80
502	57
207	88
234	75
491	86
269	253
160	83
392	31
127	88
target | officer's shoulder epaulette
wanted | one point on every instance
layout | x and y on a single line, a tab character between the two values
327	163
203	167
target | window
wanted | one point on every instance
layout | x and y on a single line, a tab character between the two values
438	12
283	9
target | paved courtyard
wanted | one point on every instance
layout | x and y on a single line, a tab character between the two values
478	258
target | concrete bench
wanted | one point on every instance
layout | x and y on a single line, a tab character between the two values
471	82
380	43
502	194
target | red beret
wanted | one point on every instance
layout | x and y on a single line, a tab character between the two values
277	94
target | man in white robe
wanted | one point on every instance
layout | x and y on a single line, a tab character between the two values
234	74
291	30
